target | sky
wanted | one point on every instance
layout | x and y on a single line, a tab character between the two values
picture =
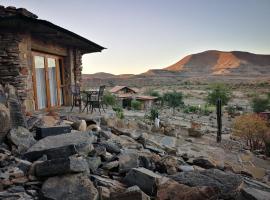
152	34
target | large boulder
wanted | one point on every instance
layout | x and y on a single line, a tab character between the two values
171	190
22	138
62	145
4	121
128	159
144	178
227	182
61	166
69	187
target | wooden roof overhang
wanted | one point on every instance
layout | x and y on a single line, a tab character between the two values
48	31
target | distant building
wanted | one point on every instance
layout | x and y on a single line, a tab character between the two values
42	60
126	94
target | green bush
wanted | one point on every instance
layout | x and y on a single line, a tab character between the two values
109	99
119	112
153	113
173	99
136	105
260	104
217	91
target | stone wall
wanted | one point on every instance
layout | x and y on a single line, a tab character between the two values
14	63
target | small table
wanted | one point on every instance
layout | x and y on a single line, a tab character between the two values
89	94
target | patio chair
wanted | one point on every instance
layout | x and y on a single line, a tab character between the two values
76	97
96	101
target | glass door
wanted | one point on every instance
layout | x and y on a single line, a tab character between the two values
47	80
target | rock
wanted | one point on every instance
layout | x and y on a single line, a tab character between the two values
49	121
194	133
21	138
126	142
171	190
254	190
79	125
42	132
69	187
62	146
168	141
110	165
105	134
249	193
167	164
93	163
132	193
104	193
111	147
227	182
186	168
4	121
93	127
128	159
5	195
61	166
112	185
203	162
99	150
144	178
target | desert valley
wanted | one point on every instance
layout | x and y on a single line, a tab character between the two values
198	129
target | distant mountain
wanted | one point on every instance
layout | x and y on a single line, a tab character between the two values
222	63
208	66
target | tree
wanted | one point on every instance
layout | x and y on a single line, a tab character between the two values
135	105
173	99
260	104
218	91
253	129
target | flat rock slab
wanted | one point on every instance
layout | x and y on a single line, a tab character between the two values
254	194
61	145
61	166
227	183
43	132
144	178
69	187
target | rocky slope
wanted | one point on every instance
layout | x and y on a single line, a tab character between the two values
234	66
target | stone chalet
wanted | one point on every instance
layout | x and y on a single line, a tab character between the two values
42	60
126	94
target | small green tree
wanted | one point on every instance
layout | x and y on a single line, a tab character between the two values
216	91
173	99
109	99
260	104
135	105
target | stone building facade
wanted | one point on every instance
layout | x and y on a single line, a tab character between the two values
41	59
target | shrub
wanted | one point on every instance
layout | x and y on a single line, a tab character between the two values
109	99
260	104
153	113
119	112
173	99
253	129
136	105
218	91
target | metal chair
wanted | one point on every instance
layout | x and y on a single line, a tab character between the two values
96	101
76	97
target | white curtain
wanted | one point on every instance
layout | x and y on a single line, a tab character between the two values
40	82
52	81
